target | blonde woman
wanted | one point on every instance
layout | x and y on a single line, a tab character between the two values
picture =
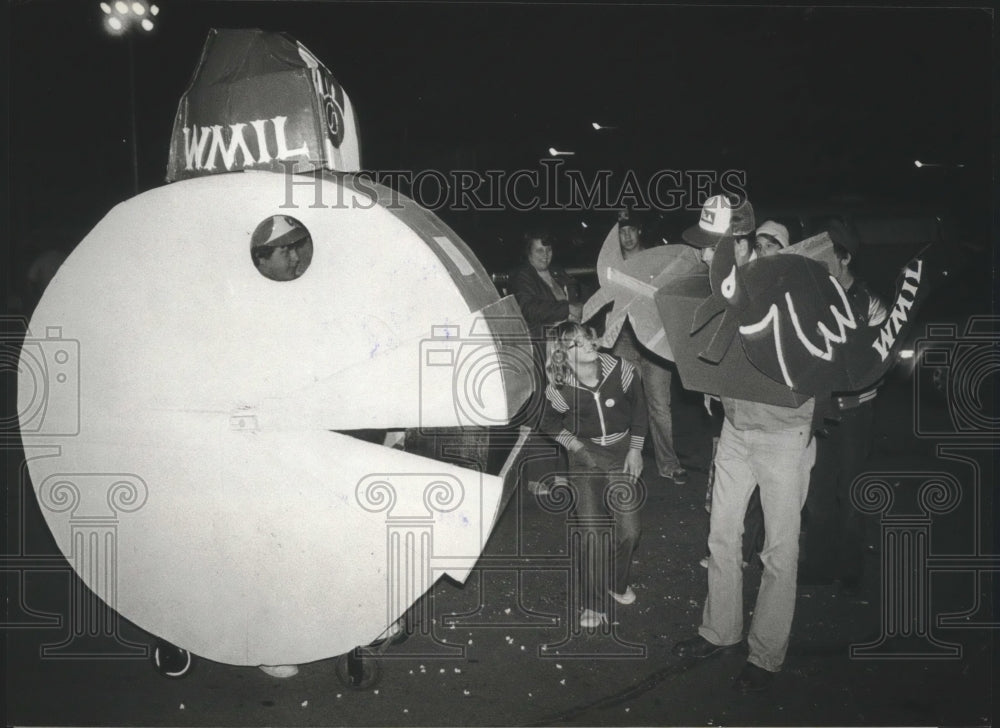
595	408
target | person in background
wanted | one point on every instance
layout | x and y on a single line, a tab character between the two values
834	534
595	409
760	445
770	238
547	296
657	373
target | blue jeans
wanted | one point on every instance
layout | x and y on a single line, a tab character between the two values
779	462
607	510
656	381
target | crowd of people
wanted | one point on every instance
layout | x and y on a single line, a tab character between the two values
600	403
603	404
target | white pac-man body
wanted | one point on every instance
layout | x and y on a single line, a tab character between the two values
243	529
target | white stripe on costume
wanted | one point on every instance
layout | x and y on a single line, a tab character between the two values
555	397
610	439
628	373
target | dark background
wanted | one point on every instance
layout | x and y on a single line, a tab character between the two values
821	107
814	104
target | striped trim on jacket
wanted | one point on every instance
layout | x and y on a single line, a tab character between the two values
605	414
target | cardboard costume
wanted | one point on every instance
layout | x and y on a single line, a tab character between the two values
261	100
192	405
776	330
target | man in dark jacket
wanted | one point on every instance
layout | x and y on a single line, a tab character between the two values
834	535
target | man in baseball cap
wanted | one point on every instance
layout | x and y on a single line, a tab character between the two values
761	445
281	248
720	216
630	228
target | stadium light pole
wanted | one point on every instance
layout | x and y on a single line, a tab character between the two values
121	18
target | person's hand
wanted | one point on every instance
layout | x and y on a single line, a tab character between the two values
633	462
575	312
583	456
588	460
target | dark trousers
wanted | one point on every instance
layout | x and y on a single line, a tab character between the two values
607	511
834	541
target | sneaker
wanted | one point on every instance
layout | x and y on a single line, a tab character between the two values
280	671
679	476
590	619
627	598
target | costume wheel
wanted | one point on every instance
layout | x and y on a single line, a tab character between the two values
358	669
170	661
397	633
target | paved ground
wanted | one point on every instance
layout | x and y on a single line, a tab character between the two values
501	650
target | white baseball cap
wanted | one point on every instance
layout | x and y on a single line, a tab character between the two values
774	230
719	216
277	231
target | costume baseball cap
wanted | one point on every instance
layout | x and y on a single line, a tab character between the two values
720	217
776	231
629	218
277	231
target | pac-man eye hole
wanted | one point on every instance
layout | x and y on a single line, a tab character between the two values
281	248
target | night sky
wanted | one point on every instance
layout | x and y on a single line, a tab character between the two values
811	103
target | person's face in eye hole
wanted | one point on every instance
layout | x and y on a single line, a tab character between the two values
283	263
